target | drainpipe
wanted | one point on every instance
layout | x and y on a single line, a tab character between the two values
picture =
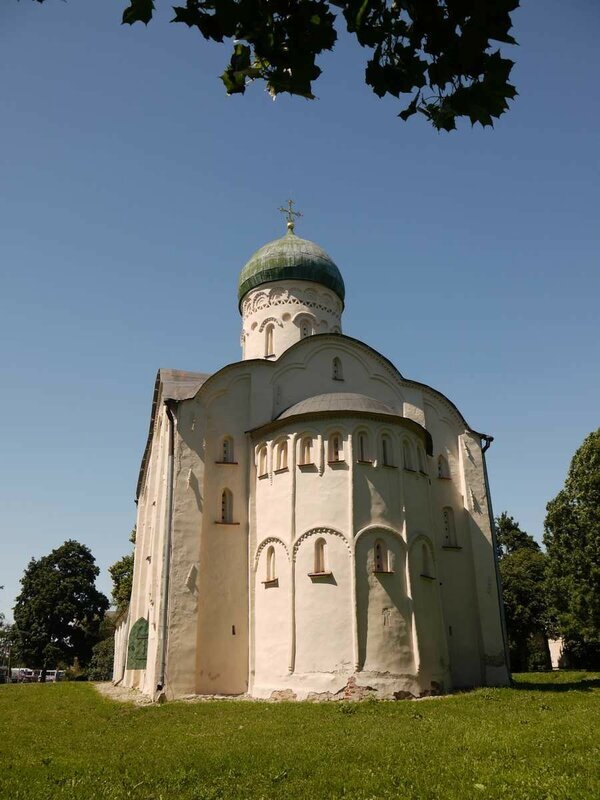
488	441
166	574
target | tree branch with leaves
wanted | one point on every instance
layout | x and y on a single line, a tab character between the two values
442	56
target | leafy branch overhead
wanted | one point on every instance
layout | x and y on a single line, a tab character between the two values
442	56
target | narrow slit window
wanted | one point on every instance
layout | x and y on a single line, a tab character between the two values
227	450
449	527
443	468
408	455
426	564
320	563
282	455
226	506
306	451
335	447
363	449
386	451
271	571
380	557
421	460
262	461
338	374
269	340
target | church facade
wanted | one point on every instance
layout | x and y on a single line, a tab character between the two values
308	519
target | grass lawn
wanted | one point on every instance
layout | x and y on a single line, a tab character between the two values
539	740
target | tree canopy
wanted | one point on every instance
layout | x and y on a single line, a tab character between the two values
121	573
572	539
7	641
59	610
510	537
440	55
522	569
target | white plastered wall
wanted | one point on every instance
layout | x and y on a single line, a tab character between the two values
148	559
218	571
351	621
292	309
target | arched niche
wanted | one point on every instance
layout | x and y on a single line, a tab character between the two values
427	610
383	606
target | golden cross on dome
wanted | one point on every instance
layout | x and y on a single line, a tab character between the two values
290	214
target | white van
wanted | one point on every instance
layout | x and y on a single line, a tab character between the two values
22	675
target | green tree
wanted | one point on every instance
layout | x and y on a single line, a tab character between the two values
103	652
121	573
510	537
438	53
59	610
7	648
572	539
522	569
101	664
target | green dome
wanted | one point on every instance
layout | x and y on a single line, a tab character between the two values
290	258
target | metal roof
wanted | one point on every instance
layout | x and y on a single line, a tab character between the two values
170	384
338	401
177	384
290	258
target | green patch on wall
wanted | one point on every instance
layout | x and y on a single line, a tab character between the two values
137	647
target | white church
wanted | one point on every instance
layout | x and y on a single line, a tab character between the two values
311	524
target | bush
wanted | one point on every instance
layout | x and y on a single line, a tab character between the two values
101	665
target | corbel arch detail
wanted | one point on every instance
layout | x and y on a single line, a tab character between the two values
319	532
265	543
381	529
422	538
267	320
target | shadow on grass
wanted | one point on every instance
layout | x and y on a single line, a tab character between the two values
534	684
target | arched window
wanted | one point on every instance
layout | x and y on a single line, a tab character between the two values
269	339
226	506
337	372
227	450
443	468
262	461
449	527
407	452
320	565
362	447
387	451
271	572
305	329
335	448
421	460
282	455
306	447
426	565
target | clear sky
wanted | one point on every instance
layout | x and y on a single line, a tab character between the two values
133	190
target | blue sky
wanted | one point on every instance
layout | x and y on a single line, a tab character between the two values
133	190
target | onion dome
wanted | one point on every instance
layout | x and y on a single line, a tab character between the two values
290	258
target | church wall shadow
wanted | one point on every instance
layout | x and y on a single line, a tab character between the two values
533	684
